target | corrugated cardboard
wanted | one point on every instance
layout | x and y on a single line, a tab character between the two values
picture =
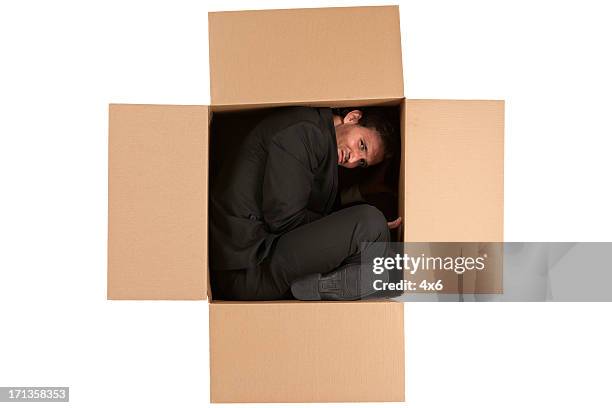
306	352
157	202
336	103
454	172
305	55
158	193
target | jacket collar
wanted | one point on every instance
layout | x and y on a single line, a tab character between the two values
327	126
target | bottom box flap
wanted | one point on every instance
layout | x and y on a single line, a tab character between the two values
306	352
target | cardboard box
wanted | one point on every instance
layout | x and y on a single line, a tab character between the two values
451	189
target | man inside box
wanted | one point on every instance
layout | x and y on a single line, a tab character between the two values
280	229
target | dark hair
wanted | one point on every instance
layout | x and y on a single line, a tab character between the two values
380	120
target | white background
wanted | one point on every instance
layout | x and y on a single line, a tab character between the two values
62	62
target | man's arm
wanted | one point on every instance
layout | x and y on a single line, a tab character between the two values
288	178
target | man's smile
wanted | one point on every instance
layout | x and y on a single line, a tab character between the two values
343	156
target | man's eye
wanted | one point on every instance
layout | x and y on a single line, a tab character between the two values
362	163
361	145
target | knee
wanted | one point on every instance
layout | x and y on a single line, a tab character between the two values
372	223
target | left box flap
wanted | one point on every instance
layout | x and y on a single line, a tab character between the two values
157	202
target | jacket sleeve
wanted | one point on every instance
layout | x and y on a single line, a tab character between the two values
288	178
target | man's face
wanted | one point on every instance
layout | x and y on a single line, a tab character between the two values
357	145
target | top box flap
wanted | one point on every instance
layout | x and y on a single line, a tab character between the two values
302	55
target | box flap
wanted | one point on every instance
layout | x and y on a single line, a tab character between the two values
303	55
454	171
306	352
157	202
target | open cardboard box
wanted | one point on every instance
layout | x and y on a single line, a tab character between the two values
451	189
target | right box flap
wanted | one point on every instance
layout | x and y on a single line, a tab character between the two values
454	170
303	55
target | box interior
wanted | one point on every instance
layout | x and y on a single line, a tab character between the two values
229	125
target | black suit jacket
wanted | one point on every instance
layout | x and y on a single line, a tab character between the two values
284	175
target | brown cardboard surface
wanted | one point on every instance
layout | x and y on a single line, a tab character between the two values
306	351
270	56
337	103
451	189
157	202
454	170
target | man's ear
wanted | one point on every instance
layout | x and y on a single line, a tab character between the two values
353	117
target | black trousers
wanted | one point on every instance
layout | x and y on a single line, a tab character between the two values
318	247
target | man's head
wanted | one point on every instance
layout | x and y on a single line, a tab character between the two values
364	137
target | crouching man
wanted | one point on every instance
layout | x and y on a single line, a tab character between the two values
279	229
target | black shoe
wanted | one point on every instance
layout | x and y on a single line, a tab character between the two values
345	283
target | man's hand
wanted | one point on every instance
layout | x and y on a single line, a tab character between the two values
395	224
